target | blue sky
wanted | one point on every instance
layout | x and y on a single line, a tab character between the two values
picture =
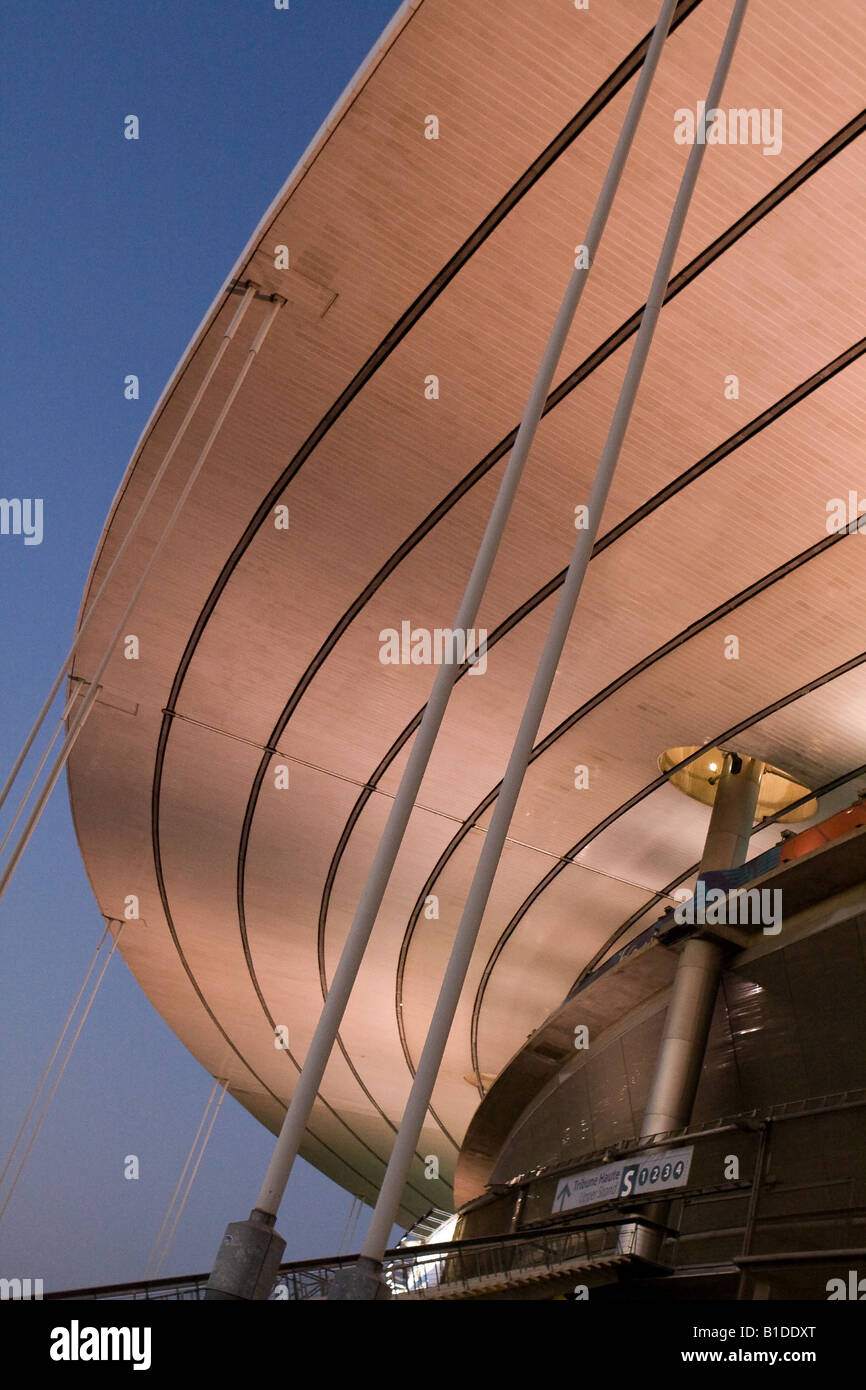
113	251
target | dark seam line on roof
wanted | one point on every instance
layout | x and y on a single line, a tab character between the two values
212	1016
600	354
609	89
661	893
684	277
653	786
728	447
596	103
266	1011
436	287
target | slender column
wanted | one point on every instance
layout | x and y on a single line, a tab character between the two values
696	984
737	791
443	1016
687	1024
321	1046
690	1011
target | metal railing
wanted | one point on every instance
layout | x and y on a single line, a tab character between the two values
420	1271
466	1267
463	1268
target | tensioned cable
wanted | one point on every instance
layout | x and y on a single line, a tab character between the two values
63	1067
174	1196
192	1177
349	1225
277	302
324	1036
43	760
346	1226
354	1229
204	1143
52	1058
90	699
157	478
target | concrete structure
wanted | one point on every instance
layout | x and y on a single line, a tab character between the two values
231	784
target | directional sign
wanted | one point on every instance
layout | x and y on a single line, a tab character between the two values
629	1177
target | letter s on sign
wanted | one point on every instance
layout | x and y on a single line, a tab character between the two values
627	1184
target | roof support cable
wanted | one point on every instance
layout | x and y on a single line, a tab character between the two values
306	1090
349	1226
87	703
148	497
364	1283
192	1177
63	1065
157	1256
354	1226
53	1057
174	1196
43	760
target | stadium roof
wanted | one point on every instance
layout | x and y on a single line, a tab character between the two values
259	647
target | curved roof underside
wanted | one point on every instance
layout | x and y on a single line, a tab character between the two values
411	257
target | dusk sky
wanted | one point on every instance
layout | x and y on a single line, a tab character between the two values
114	251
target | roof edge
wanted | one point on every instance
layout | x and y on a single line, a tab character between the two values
312	152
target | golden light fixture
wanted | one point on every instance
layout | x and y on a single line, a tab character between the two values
699	779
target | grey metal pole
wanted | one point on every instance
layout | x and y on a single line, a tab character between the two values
298	1113
428	1066
690	1011
696	984
737	792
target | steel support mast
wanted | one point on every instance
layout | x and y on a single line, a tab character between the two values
364	1282
233	1276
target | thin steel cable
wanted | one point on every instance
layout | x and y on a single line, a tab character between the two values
89	700
59	1076
342	1240
35	778
52	1058
192	1177
157	478
174	1196
354	1229
343	1245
